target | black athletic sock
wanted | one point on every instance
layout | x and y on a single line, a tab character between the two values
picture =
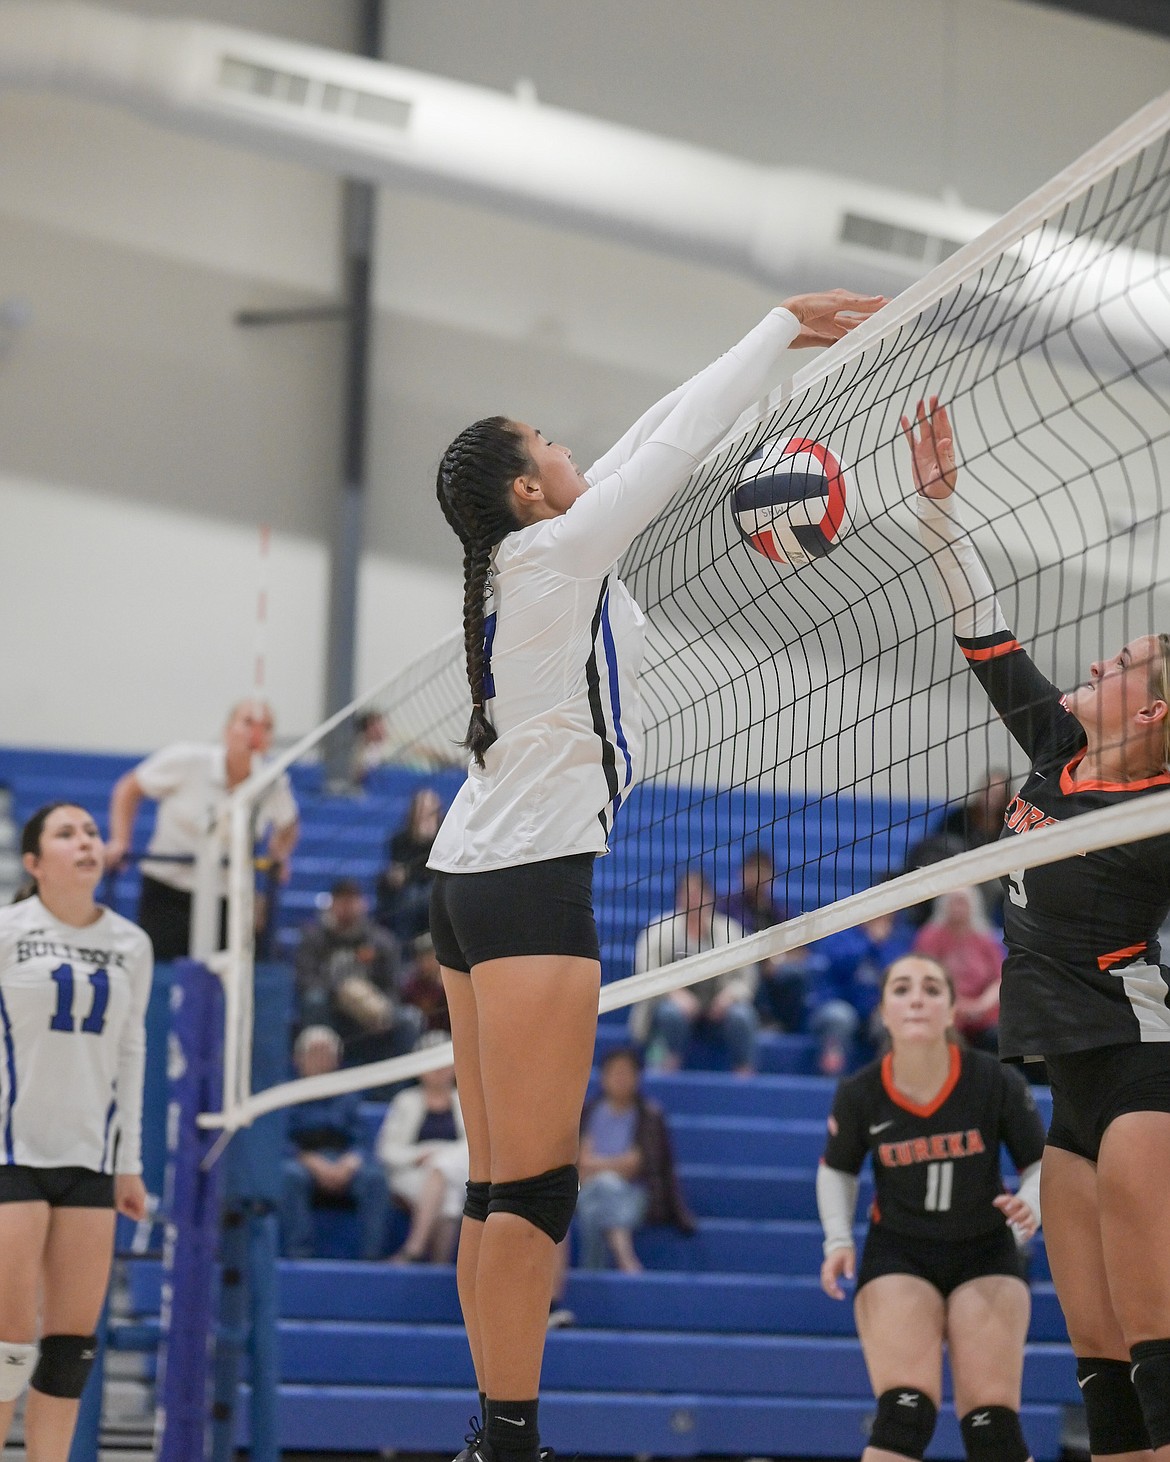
483	1409
511	1430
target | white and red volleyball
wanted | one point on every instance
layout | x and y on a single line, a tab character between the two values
789	501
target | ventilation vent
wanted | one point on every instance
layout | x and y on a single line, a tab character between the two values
374	108
893	238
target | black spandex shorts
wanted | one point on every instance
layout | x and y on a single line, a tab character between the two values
533	908
945	1263
1091	1088
58	1187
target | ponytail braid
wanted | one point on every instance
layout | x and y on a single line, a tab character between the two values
474	488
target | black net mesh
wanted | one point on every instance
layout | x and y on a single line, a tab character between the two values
822	713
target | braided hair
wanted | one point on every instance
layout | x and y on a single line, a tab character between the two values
474	487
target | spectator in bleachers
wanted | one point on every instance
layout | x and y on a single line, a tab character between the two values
977	821
403	890
783	987
960	937
754	905
326	1163
721	1005
422	986
788	985
371	745
843	1008
423	1147
627	1168
191	781
347	972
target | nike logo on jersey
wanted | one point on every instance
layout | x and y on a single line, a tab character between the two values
876	1127
1083	1383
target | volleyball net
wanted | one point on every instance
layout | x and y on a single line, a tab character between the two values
820	714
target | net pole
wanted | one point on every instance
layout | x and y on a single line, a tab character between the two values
238	1012
191	1211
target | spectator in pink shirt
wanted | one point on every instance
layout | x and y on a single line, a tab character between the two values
960	937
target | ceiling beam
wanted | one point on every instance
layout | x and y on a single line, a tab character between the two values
1151	15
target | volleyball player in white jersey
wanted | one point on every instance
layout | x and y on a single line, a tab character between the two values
1085	985
74	982
554	643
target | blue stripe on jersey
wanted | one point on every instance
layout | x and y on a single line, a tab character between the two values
106	1134
489	639
10	1054
597	710
615	695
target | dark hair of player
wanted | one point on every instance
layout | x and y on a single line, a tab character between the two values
30	842
474	487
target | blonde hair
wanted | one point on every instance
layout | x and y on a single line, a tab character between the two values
1160	687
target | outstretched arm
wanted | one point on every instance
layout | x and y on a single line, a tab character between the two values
1027	701
817	316
604	521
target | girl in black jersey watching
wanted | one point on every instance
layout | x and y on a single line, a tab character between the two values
940	1263
554	643
1083	986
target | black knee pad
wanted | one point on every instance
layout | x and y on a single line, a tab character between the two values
1112	1409
993	1434
1150	1374
546	1201
64	1366
476	1206
904	1422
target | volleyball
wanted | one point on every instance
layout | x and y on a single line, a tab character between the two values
789	500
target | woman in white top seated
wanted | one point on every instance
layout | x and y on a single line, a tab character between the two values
423	1147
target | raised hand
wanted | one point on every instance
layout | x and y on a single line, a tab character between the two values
932	454
827	316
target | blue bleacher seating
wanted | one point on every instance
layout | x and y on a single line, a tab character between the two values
726	1344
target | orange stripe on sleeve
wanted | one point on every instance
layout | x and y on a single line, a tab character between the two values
992	652
1105	960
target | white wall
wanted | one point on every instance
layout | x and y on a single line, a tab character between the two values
144	436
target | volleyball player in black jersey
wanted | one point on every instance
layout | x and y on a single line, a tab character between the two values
940	1263
1083	986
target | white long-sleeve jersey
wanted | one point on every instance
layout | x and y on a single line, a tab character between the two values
565	639
72	1040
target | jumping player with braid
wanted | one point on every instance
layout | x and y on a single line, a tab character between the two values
554	644
1083	984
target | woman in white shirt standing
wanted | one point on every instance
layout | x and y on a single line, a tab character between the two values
191	781
74	983
554	643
